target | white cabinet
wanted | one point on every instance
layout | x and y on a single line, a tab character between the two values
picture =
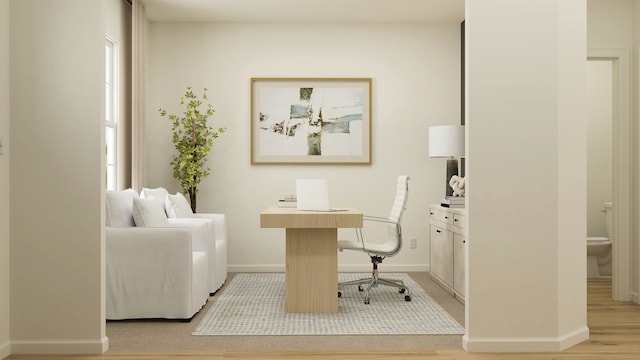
448	241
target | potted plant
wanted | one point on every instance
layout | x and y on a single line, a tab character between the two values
192	138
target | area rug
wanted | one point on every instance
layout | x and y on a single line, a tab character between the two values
253	304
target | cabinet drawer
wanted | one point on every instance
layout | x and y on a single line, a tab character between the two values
459	220
440	215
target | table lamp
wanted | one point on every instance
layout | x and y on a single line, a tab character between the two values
447	141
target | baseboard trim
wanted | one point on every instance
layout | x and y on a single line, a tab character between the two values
59	347
5	350
341	268
525	344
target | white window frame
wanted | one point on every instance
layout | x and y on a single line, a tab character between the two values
111	115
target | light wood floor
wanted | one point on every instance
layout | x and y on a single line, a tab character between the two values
614	334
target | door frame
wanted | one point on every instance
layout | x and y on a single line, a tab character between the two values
623	169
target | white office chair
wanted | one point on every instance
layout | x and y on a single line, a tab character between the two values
379	251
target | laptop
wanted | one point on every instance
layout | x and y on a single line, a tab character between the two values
313	195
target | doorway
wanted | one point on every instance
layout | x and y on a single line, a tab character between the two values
599	121
621	167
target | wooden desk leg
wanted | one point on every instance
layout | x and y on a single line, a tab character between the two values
312	271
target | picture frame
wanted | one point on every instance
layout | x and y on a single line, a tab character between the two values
311	121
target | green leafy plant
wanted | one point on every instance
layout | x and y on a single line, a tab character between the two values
192	139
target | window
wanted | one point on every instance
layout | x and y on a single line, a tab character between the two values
111	112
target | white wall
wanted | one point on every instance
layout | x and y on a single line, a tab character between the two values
610	24
599	144
415	77
4	179
526	223
57	180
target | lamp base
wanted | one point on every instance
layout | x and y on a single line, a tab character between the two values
452	169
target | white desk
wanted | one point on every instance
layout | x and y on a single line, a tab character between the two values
311	255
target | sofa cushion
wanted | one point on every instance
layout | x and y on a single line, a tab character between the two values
119	208
178	206
149	213
159	194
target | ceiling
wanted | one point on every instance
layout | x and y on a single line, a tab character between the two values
307	11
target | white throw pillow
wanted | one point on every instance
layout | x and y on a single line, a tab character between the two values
159	194
148	213
119	208
178	206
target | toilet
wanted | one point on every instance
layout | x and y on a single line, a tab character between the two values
599	248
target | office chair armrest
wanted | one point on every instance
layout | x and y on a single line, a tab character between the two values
372	218
378	219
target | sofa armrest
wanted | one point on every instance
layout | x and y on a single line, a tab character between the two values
199	233
220	222
146	266
164	247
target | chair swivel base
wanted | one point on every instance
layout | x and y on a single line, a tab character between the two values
366	284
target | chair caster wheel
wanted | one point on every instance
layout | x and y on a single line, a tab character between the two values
366	301
360	288
339	294
402	291
407	298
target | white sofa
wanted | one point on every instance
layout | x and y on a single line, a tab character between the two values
154	273
178	209
155	267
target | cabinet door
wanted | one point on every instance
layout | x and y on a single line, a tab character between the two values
442	254
459	244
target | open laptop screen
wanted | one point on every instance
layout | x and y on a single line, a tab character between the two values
312	194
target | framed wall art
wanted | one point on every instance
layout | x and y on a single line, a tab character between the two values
311	121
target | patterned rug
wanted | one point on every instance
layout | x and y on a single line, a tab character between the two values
253	304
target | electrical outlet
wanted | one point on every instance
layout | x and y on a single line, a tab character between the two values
413	243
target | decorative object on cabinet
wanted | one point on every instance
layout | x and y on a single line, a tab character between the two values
447	141
192	138
448	242
457	184
452	202
310	121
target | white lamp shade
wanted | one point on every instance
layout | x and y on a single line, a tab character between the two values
446	141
